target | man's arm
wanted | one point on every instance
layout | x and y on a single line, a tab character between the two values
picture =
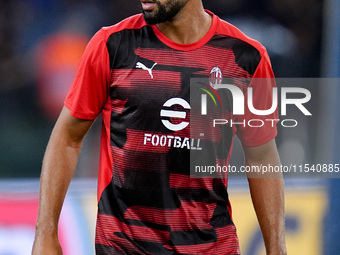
58	167
267	193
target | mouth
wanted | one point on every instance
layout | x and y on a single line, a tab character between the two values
148	5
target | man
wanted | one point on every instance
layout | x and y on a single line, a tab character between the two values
133	73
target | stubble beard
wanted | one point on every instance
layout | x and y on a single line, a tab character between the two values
165	11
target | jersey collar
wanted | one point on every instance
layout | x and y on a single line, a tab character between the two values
191	46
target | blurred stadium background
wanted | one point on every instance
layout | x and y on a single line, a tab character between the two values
41	42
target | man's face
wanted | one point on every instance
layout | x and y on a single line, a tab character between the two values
159	11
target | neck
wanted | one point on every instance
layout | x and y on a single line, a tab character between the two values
189	25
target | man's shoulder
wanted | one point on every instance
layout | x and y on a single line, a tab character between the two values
133	22
224	28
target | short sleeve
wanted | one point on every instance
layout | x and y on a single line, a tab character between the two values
89	91
253	129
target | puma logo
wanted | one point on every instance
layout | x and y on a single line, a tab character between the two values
142	66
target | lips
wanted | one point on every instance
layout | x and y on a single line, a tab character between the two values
148	5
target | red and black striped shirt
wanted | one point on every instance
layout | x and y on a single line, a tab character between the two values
147	201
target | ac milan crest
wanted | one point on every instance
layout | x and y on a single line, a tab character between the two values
215	77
